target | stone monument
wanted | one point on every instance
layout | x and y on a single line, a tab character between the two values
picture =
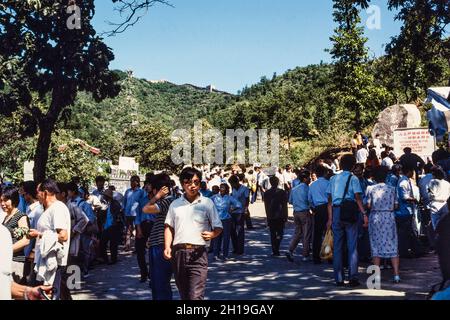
396	117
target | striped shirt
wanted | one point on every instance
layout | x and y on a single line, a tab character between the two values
157	233
12	224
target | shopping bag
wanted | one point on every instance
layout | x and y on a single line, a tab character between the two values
326	252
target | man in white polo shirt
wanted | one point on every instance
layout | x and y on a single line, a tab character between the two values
191	223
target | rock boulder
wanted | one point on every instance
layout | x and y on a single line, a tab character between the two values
396	117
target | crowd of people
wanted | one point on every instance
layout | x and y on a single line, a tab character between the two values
378	207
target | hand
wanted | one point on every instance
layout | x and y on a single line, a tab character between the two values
366	221
168	253
329	224
33	293
207	235
162	193
33	233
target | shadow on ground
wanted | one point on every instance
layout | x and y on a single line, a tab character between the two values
258	276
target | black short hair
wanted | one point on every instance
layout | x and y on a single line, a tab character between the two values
427	168
407	150
30	187
11	193
188	173
384	154
407	169
135	178
161	180
241	176
84	190
321	171
50	186
227	188
304	175
233	180
72	187
380	174
397	168
62	186
149	175
100	178
347	162
274	181
438	172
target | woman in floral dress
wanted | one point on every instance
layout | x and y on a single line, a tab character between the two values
382	202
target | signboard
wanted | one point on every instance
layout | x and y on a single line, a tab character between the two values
418	139
128	164
28	170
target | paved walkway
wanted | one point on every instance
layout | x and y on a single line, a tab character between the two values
258	276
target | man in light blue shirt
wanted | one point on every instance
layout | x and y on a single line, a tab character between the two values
135	199
302	216
225	205
406	217
204	190
318	199
340	228
131	203
144	225
240	193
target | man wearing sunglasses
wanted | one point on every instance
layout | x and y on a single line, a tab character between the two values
191	223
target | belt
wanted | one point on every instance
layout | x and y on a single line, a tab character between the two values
187	246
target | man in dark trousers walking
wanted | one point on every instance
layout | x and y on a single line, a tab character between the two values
275	202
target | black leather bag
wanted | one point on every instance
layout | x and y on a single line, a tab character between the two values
349	208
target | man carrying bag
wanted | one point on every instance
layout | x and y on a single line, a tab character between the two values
344	206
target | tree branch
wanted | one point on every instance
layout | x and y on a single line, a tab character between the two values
132	11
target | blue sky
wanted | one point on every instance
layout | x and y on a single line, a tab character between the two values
230	43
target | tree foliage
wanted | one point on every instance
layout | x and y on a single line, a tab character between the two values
355	92
68	158
44	64
420	55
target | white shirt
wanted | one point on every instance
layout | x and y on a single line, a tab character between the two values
439	192
260	179
189	220
423	187
57	216
119	197
34	212
387	162
377	145
288	177
281	179
362	155
6	253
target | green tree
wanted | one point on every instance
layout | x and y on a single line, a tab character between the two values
355	94
45	61
419	56
14	150
150	143
68	158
